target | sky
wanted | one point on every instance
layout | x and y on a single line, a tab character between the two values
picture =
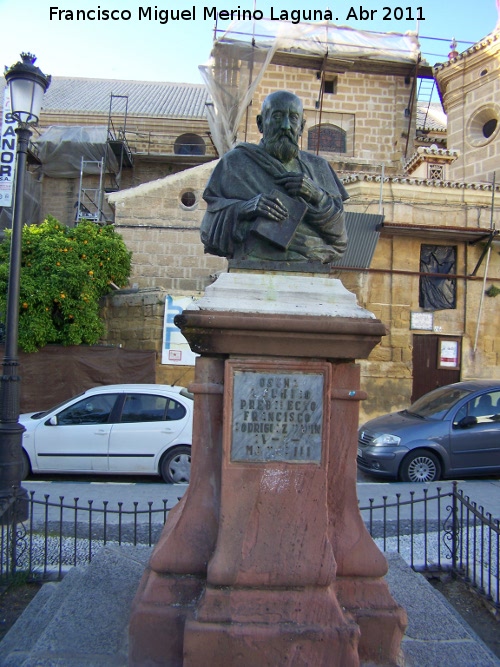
139	47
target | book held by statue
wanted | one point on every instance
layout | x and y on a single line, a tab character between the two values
281	233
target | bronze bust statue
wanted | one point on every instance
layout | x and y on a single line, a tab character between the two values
272	201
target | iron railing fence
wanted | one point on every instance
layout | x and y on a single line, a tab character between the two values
432	530
476	546
441	532
61	533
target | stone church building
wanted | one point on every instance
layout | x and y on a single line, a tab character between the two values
427	268
422	217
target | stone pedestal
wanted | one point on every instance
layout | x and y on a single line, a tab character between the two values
266	561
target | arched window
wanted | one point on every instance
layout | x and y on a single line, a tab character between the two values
332	139
189	144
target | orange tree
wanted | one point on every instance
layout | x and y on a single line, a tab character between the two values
64	273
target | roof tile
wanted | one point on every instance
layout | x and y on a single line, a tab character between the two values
145	98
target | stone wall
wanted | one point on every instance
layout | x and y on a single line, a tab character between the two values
391	288
60	195
59	199
134	321
373	105
168	255
164	234
146	135
151	141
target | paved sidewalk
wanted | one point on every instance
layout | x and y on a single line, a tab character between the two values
82	621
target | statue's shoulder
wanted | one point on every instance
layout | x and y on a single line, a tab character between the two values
324	173
314	160
237	153
245	147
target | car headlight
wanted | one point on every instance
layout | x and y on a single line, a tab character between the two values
386	440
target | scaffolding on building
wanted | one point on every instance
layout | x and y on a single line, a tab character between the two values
117	138
425	95
241	55
90	199
117	156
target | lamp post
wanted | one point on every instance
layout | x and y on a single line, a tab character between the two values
27	85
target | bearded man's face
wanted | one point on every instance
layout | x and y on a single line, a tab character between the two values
281	125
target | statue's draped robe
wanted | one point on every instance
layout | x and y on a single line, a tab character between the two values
248	170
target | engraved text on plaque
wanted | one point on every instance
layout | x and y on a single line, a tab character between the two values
277	416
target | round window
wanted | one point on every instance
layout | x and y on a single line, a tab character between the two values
489	127
188	199
483	125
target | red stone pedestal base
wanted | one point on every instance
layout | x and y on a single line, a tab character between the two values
248	627
162	605
381	621
266	562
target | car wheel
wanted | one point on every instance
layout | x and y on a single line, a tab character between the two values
175	465
420	466
25	465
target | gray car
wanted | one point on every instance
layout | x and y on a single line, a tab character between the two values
453	431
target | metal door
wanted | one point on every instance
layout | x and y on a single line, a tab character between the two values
426	372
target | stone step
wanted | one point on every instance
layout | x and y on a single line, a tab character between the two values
81	620
21	638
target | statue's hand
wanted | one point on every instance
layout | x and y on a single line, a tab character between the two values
263	205
300	185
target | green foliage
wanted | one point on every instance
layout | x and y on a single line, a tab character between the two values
493	290
64	273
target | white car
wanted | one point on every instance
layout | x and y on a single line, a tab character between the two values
129	429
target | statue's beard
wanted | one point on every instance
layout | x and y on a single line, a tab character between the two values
283	148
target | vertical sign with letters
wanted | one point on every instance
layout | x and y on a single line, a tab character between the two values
8	144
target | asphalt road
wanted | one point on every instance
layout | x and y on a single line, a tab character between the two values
485	492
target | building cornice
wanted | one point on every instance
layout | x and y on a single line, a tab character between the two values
347	178
487	41
431	154
431	138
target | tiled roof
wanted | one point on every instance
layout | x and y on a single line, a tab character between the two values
430	116
145	98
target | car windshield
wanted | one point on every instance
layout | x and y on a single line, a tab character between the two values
436	404
44	413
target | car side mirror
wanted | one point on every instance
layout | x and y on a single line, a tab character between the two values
467	422
53	421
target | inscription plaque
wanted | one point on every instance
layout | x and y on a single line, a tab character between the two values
277	417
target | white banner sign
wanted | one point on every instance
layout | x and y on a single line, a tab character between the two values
8	143
175	349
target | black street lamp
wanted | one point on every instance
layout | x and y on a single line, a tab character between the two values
27	85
